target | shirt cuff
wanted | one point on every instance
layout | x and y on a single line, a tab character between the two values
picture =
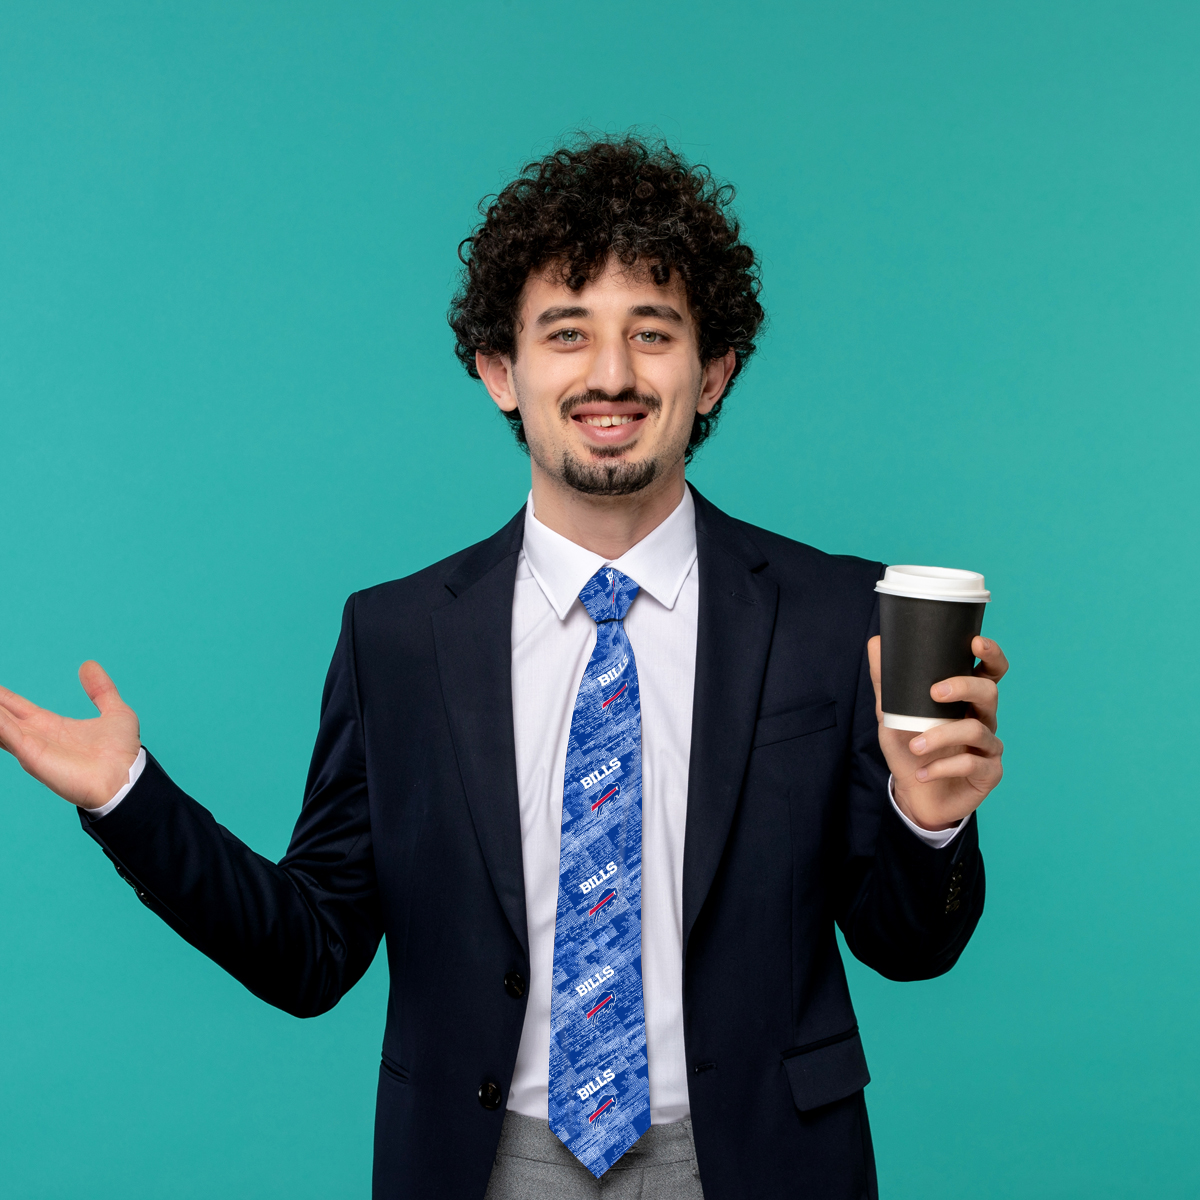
135	773
939	839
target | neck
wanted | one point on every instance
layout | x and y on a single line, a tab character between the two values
605	525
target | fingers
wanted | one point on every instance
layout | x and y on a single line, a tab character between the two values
978	759
18	706
992	663
10	732
981	694
100	689
982	772
971	732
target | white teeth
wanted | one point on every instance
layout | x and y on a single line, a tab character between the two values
604	422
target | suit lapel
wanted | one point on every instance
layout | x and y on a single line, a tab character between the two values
736	621
473	636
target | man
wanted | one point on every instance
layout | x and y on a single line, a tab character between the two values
606	780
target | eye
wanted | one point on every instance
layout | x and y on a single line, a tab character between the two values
650	337
570	336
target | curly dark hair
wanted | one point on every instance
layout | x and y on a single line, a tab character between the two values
630	198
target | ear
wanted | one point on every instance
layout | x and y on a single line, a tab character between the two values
495	370
715	380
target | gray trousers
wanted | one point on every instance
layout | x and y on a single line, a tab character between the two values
532	1164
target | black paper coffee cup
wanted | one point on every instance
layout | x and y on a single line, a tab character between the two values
928	617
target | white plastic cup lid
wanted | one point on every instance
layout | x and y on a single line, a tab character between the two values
934	583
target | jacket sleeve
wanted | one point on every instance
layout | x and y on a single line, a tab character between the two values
300	933
906	909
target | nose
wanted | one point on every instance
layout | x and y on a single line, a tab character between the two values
611	367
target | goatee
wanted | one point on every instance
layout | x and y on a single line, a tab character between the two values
594	476
616	478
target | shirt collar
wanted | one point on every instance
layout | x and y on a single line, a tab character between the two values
658	564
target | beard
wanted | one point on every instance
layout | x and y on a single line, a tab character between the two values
606	479
593	476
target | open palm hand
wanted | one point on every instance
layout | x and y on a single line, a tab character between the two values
84	761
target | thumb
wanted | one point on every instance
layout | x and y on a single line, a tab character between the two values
101	690
873	661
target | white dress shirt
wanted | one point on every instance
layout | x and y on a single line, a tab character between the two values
552	641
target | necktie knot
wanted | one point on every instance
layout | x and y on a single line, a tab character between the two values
608	595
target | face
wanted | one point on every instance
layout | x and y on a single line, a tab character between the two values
608	380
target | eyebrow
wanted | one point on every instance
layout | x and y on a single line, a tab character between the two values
664	312
562	313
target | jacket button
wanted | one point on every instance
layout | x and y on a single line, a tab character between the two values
489	1095
514	984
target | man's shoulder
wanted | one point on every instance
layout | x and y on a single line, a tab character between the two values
825	600
438	584
789	562
788	558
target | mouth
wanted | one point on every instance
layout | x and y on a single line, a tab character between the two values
605	421
608	423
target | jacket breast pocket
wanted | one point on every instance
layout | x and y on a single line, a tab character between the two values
828	1070
784	726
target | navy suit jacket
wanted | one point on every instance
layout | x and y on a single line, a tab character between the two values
410	829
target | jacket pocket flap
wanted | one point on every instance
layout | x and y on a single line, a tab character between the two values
827	1071
796	723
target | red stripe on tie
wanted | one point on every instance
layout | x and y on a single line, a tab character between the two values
602	799
599	1006
612	698
601	1109
593	911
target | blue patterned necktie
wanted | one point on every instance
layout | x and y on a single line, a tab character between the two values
599	1077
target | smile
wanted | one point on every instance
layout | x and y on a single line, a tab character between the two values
606	421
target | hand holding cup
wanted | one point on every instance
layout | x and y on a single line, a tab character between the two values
945	757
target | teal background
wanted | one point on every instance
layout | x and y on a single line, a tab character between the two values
227	399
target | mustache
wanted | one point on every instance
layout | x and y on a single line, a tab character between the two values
651	403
